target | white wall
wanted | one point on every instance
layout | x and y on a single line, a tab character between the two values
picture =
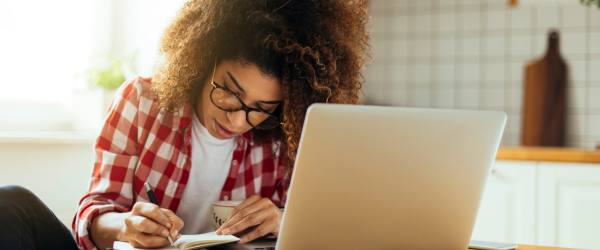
58	172
135	26
471	54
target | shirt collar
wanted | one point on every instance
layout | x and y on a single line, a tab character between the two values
187	112
186	122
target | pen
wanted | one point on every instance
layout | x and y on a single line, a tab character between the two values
153	200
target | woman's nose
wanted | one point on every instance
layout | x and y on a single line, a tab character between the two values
237	118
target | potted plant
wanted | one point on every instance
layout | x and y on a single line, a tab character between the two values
590	2
92	102
110	76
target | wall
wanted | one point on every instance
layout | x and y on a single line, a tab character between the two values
468	54
135	26
57	171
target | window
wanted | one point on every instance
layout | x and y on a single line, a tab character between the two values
46	47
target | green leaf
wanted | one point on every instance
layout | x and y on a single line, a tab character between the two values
111	76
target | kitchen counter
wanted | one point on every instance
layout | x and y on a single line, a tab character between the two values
548	154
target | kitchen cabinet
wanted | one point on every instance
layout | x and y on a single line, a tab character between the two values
569	205
507	210
541	203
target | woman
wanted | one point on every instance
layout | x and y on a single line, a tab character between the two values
220	120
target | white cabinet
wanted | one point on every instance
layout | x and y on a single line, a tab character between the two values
569	205
541	203
507	210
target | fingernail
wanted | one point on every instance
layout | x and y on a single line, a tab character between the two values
175	232
226	231
164	233
168	225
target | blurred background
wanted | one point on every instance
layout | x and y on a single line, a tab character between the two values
463	54
54	52
61	61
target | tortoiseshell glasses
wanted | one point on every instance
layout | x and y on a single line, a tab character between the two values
226	100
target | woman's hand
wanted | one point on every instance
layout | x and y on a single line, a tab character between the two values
148	226
257	214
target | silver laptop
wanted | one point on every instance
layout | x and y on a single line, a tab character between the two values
369	177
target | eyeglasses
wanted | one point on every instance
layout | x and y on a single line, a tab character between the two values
226	100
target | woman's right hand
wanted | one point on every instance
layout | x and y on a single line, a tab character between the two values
148	226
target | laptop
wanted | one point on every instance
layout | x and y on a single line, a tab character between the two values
370	177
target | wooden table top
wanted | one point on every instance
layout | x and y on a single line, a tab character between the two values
531	247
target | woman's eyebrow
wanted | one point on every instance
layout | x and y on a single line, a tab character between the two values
235	81
271	102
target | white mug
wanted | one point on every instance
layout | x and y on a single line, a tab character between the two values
221	210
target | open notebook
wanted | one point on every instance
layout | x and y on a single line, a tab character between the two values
187	242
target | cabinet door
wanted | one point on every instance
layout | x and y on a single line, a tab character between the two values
569	205
507	210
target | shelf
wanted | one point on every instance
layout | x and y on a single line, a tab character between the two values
48	138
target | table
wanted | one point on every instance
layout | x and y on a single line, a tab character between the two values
530	247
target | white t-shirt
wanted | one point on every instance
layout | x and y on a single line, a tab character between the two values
211	161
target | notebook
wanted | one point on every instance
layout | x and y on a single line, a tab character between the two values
187	242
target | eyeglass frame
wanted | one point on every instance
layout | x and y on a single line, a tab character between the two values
243	107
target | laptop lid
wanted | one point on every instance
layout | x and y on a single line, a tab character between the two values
369	177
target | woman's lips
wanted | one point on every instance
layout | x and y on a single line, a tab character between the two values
224	132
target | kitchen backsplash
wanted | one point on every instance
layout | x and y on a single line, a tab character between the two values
469	54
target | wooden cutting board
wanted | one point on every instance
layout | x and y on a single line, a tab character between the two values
545	98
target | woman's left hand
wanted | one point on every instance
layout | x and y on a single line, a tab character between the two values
257	212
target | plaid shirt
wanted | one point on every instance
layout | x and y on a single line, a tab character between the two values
140	144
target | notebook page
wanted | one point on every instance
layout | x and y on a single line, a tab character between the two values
120	245
182	242
207	237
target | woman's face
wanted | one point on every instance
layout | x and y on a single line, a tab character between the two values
254	88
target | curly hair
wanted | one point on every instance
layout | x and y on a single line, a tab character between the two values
316	48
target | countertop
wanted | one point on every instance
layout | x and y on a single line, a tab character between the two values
548	154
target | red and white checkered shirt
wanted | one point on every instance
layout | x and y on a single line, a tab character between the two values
140	144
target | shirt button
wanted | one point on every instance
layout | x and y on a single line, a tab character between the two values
226	197
234	162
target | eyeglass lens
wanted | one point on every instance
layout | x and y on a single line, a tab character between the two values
226	101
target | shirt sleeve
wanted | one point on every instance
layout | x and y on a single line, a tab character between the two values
116	156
